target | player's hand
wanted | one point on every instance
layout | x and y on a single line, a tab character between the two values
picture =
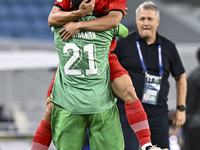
87	8
126	8
69	30
178	118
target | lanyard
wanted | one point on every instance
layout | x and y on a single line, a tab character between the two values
142	60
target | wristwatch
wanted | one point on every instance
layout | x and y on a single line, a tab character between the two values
181	107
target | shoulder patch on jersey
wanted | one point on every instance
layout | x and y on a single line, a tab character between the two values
59	0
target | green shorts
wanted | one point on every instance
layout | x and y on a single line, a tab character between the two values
69	130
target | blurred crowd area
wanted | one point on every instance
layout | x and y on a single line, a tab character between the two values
28	60
25	18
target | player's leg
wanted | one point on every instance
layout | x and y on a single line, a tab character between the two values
123	88
136	116
42	137
68	130
49	107
105	132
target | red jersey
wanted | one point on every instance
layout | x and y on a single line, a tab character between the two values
102	7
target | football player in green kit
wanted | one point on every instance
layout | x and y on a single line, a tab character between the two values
82	93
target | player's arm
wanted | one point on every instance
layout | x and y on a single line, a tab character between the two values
107	22
104	23
58	17
116	11
181	89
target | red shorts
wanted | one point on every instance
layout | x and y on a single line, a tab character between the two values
116	70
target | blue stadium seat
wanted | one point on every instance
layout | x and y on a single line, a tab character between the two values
42	30
30	14
3	12
6	28
18	11
25	3
5	3
38	3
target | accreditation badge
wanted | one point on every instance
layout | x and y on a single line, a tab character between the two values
151	89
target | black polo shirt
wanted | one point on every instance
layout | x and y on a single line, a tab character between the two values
128	56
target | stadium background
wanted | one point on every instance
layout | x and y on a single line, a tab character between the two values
28	59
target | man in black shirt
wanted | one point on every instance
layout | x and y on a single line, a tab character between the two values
150	58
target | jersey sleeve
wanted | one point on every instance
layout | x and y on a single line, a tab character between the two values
63	5
122	31
117	5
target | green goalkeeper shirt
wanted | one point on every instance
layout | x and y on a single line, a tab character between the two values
82	84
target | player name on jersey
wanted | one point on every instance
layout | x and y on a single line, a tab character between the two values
85	35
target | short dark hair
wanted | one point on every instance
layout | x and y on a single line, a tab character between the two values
198	54
76	3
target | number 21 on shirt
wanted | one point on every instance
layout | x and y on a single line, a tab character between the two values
76	58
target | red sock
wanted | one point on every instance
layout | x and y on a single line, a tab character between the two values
42	137
137	119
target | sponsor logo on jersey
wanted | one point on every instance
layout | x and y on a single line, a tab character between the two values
59	0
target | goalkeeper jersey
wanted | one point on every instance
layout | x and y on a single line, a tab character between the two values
82	84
